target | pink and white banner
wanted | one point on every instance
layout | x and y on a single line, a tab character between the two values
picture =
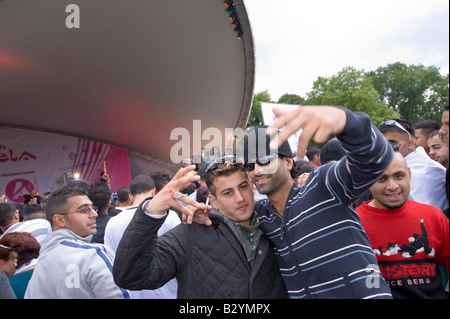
32	160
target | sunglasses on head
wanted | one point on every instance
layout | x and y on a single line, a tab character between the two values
261	161
220	160
395	123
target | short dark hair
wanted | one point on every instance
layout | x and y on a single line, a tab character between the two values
222	169
446	107
428	126
58	199
32	209
159	179
100	195
434	133
311	152
302	167
7	211
141	184
79	184
123	193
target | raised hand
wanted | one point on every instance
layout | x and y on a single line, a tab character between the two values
317	121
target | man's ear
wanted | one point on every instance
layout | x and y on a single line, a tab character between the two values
213	201
59	221
289	162
16	216
411	143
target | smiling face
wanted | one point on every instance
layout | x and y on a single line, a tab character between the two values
268	179
392	189
233	197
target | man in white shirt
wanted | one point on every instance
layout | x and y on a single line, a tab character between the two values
427	176
141	187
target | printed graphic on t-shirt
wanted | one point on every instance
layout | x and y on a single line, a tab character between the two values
410	277
417	244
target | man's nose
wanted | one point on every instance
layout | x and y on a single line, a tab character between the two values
392	184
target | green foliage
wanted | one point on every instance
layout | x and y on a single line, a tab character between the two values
352	89
291	99
415	93
255	118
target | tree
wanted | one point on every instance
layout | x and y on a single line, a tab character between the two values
255	118
291	99
416	92
352	89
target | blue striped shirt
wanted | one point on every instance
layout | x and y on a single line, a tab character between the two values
322	249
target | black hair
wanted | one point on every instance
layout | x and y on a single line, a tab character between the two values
57	201
100	195
141	184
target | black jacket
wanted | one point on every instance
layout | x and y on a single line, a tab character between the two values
208	262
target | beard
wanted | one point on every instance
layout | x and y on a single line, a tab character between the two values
271	184
394	205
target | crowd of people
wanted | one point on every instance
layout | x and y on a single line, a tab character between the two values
363	216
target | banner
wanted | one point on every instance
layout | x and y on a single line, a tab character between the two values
32	160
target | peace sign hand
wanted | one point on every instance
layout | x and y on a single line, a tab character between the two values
170	196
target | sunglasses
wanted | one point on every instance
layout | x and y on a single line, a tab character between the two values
395	123
261	161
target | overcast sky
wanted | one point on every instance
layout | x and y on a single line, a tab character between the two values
296	41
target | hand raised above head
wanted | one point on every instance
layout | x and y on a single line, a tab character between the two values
170	196
317	121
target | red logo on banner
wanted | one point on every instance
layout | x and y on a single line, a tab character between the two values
17	188
8	155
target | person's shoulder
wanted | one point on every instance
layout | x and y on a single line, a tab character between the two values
87	248
29	225
125	216
425	210
261	205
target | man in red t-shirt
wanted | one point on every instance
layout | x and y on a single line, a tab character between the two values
409	239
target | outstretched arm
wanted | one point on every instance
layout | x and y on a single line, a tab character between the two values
368	152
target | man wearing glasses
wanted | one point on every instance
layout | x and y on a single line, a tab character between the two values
427	176
69	266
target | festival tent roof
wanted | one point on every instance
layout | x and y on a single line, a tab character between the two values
130	74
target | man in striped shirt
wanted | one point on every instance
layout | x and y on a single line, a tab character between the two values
9	223
322	249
